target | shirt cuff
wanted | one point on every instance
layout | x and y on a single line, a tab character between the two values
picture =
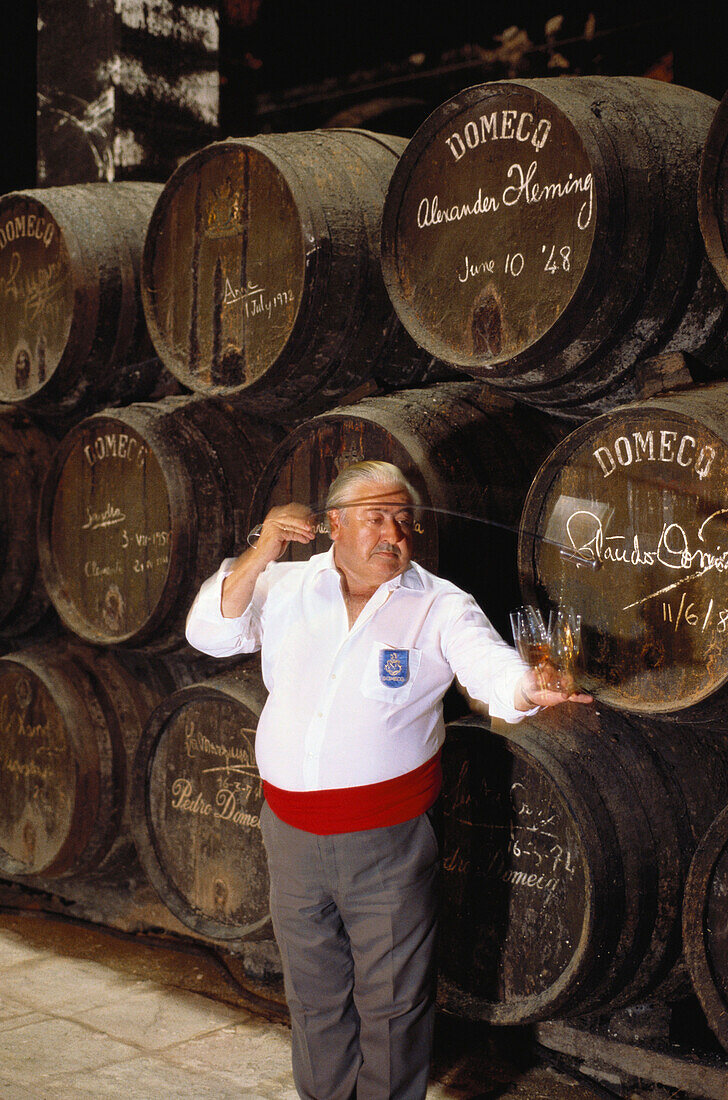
209	630
208	604
502	699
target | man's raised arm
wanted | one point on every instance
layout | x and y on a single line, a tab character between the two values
216	624
283	524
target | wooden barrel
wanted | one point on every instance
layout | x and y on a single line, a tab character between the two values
70	720
705	930
713	192
196	798
26	449
261	274
471	455
626	521
566	841
541	234
139	506
73	331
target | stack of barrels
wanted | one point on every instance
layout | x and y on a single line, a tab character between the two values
489	306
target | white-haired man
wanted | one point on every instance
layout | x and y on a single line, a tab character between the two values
358	648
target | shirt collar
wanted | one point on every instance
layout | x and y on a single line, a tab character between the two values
409	579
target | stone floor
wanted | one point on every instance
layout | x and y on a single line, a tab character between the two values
88	1014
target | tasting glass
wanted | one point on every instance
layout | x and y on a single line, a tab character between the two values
564	644
530	635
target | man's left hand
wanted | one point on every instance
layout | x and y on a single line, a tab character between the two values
545	687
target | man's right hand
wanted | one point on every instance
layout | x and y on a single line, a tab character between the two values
285	523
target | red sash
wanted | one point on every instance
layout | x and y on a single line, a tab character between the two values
351	809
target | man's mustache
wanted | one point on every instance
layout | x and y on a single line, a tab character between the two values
387	547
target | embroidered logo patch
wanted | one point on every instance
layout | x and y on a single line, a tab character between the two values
394	667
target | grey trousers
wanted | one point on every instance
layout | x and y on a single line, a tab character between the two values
354	915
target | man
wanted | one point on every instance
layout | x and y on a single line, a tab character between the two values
358	647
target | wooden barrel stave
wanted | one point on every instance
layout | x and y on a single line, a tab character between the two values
704	925
638	931
475	963
70	717
26	450
713	192
631	295
610	933
678	776
382	340
129	219
348	257
679	306
85	339
196	800
625	538
687	765
644	948
139	507
331	327
605	168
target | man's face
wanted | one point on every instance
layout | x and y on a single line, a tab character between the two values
372	534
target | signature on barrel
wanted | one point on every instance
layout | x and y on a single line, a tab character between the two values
672	549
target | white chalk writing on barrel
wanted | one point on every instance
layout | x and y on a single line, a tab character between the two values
187	800
514	264
672	548
41	289
533	837
524	189
144	565
31	225
660	445
693	614
40	746
256	301
14	724
233	294
473	269
30	769
237	757
152	538
93	568
497	868
115	445
499	126
106	518
134	540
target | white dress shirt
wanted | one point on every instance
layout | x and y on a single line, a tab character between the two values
331	718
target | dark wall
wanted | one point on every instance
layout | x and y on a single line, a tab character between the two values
301	42
125	87
701	47
17	96
296	64
292	65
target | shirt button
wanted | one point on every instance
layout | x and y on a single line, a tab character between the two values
333	675
320	714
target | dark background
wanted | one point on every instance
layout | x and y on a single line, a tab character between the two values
384	64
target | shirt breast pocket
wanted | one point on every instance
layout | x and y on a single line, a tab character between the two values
390	673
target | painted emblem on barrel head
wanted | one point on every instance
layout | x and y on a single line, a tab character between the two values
112	609
37	293
223	210
23	692
394	667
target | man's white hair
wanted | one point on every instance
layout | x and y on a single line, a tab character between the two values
370	472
